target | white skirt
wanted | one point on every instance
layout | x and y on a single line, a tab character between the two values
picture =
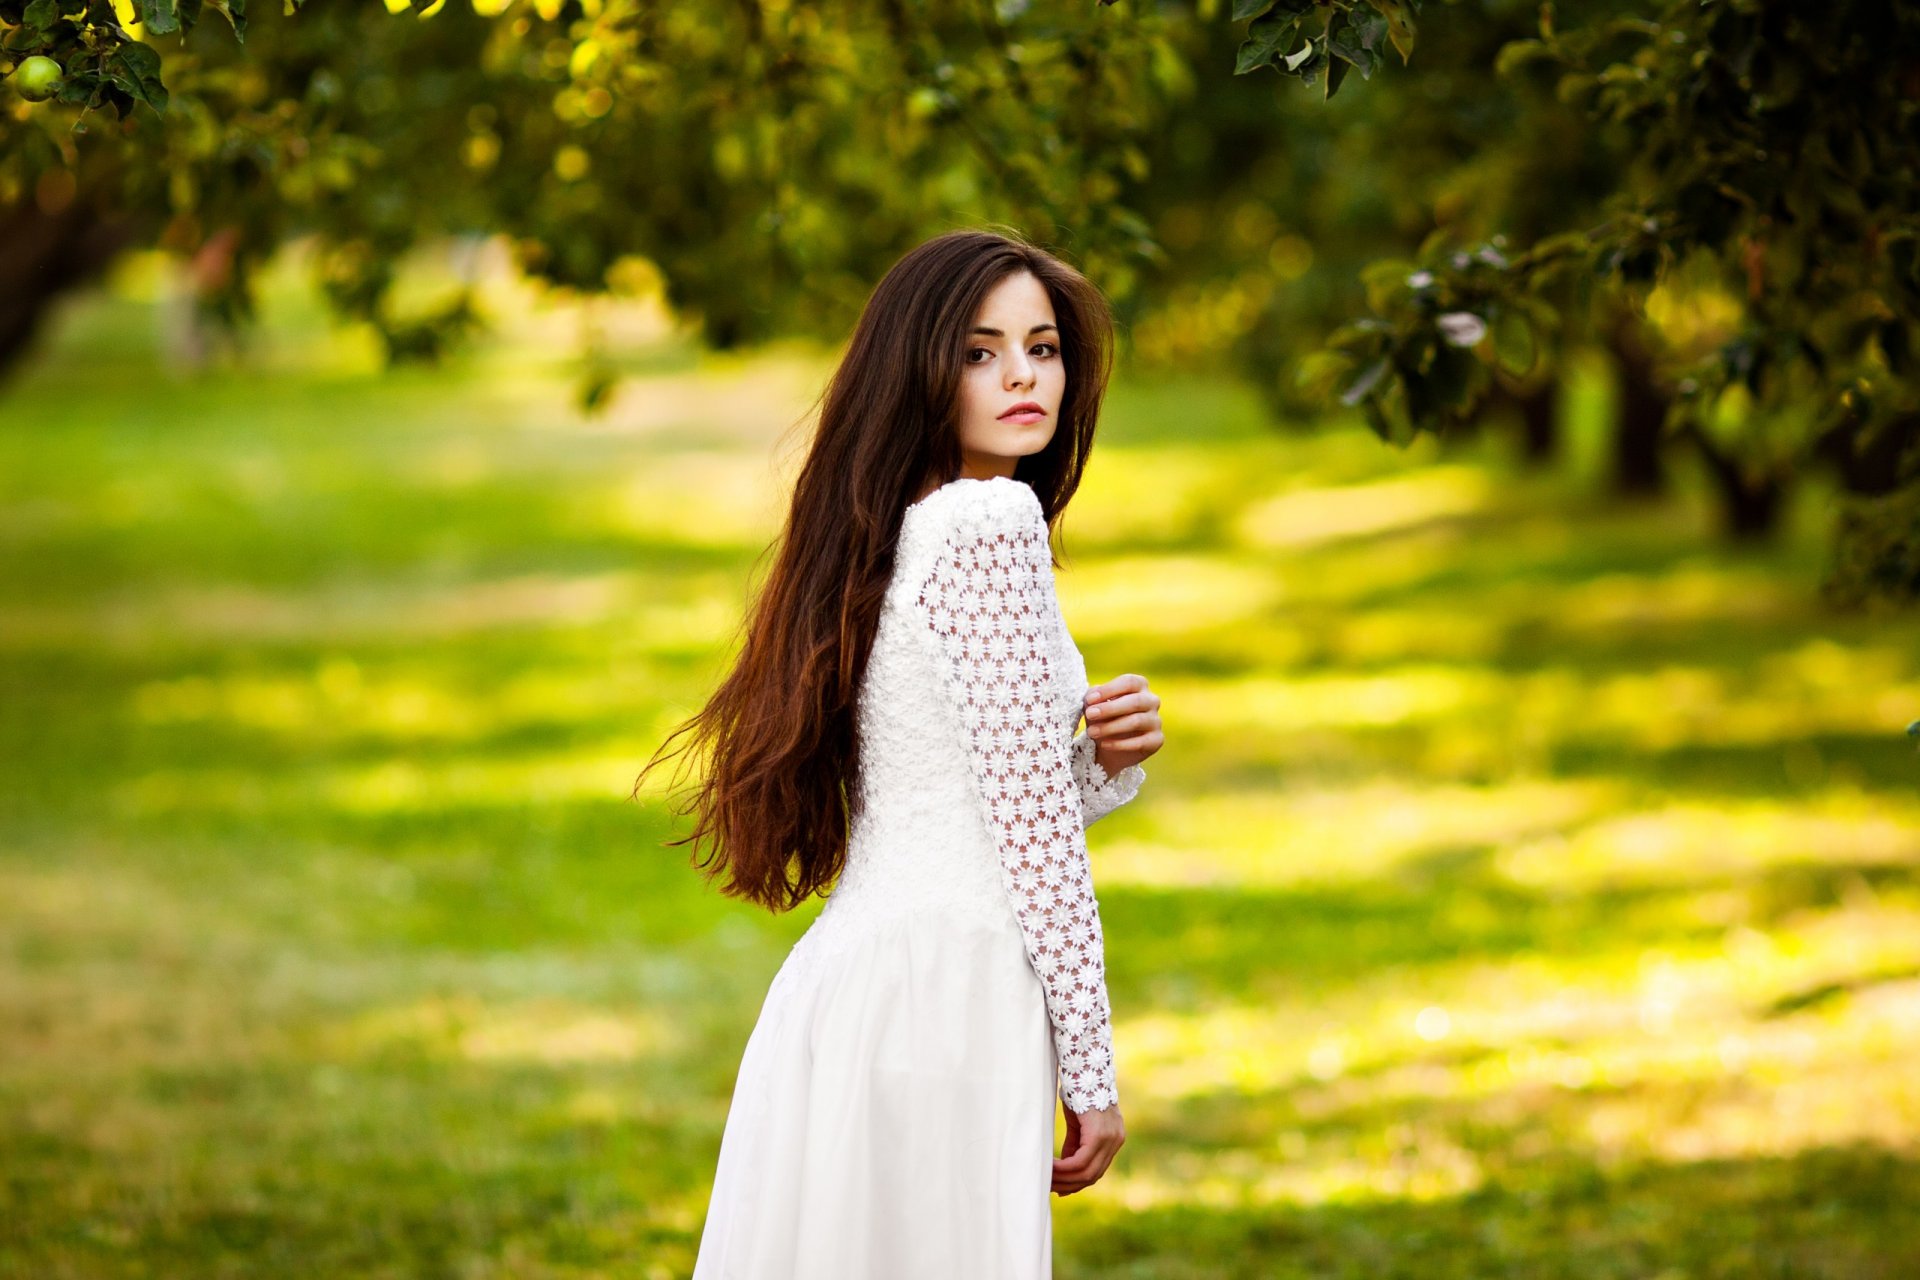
893	1115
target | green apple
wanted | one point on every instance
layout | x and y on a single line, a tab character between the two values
37	78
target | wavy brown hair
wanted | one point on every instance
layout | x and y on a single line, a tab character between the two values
779	735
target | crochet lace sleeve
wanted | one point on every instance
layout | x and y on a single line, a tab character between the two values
988	599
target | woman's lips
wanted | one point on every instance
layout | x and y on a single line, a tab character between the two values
1029	415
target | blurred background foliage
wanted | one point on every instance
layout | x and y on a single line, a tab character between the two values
1720	196
398	403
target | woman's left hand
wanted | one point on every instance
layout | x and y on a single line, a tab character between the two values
1123	719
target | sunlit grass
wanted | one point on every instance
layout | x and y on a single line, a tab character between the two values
1530	887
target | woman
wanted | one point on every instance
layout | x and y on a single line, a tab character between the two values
901	726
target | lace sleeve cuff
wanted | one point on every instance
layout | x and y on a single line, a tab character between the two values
1101	794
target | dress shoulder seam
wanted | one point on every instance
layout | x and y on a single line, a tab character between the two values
966	503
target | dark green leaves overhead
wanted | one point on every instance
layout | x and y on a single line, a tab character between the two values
1758	227
134	69
1334	35
1267	36
1357	38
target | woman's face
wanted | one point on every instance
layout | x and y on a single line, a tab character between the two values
1013	358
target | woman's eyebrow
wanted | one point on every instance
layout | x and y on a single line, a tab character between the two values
995	333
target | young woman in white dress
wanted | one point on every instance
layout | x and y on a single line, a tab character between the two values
900	728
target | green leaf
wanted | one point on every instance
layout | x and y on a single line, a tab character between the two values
1400	25
135	67
41	15
1357	39
1244	9
1336	72
119	99
157	16
1264	38
1391	420
1513	344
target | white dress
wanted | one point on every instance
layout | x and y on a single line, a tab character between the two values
893	1115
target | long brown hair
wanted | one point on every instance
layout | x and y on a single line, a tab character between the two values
779	733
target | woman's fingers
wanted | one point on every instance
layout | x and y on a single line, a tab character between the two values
1083	1164
1136	733
1126	715
1122	703
1115	690
1079	1162
1150	741
1074	1175
1108	730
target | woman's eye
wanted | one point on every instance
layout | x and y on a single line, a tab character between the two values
1048	347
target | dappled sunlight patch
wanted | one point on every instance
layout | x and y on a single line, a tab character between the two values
1305	518
223	614
1279	704
1415	636
1776	700
1762	1090
746	401
1413	1164
1474	718
340	700
712	500
1174	1056
1688	841
1164	596
1328	580
1752	1047
335	699
1151	495
1694	591
1329	834
391	786
546	1032
595	774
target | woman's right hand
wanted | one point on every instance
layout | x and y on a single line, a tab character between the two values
1093	1139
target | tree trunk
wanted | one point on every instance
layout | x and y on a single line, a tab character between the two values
1640	420
44	256
1872	468
1539	406
1750	501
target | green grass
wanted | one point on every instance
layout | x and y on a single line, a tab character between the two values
1529	887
